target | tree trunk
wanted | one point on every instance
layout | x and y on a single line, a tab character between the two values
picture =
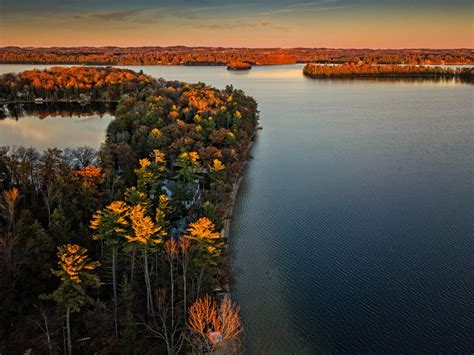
149	302
172	301
48	207
185	306
114	285
132	269
201	274
68	332
48	337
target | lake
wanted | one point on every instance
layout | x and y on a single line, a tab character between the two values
353	229
54	125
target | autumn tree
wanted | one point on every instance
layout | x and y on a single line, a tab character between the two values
111	225
10	239
150	174
207	245
76	274
213	325
144	235
188	167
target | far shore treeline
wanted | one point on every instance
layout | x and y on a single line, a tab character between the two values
121	250
180	55
401	71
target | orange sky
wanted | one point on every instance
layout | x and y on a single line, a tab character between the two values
326	23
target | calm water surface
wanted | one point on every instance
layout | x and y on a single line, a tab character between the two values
354	227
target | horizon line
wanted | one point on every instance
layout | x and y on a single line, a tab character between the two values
230	47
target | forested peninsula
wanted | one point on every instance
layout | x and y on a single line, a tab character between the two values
122	250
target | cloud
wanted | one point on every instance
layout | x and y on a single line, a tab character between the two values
136	15
307	6
202	12
275	12
314	3
241	25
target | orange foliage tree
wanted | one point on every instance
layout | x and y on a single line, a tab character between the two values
213	324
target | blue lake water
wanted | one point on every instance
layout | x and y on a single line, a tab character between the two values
353	230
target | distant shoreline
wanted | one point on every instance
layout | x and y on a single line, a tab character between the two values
218	56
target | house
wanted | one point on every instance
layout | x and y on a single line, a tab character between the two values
5	110
169	186
179	227
192	190
195	190
84	99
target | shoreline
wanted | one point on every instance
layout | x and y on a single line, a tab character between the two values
72	101
225	231
235	189
215	64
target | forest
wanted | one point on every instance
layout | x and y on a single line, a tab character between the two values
123	250
180	55
366	70
74	83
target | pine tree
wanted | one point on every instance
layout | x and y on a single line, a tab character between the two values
110	225
76	273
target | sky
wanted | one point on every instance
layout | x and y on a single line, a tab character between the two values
241	23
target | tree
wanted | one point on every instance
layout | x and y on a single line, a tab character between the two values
150	174
145	234
188	167
110	225
213	325
207	245
82	156
9	239
60	228
76	273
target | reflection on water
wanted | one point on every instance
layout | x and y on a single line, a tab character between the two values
353	228
56	109
59	125
401	80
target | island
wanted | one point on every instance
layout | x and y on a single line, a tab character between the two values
124	249
238	66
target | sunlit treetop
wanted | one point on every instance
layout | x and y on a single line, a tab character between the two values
159	156
217	165
192	157
203	228
73	262
111	223
145	231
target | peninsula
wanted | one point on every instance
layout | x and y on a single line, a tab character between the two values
149	208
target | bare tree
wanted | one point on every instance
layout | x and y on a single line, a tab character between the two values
214	325
43	326
83	156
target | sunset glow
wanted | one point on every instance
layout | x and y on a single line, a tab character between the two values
282	23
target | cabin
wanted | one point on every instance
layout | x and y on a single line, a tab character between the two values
193	190
84	99
179	227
